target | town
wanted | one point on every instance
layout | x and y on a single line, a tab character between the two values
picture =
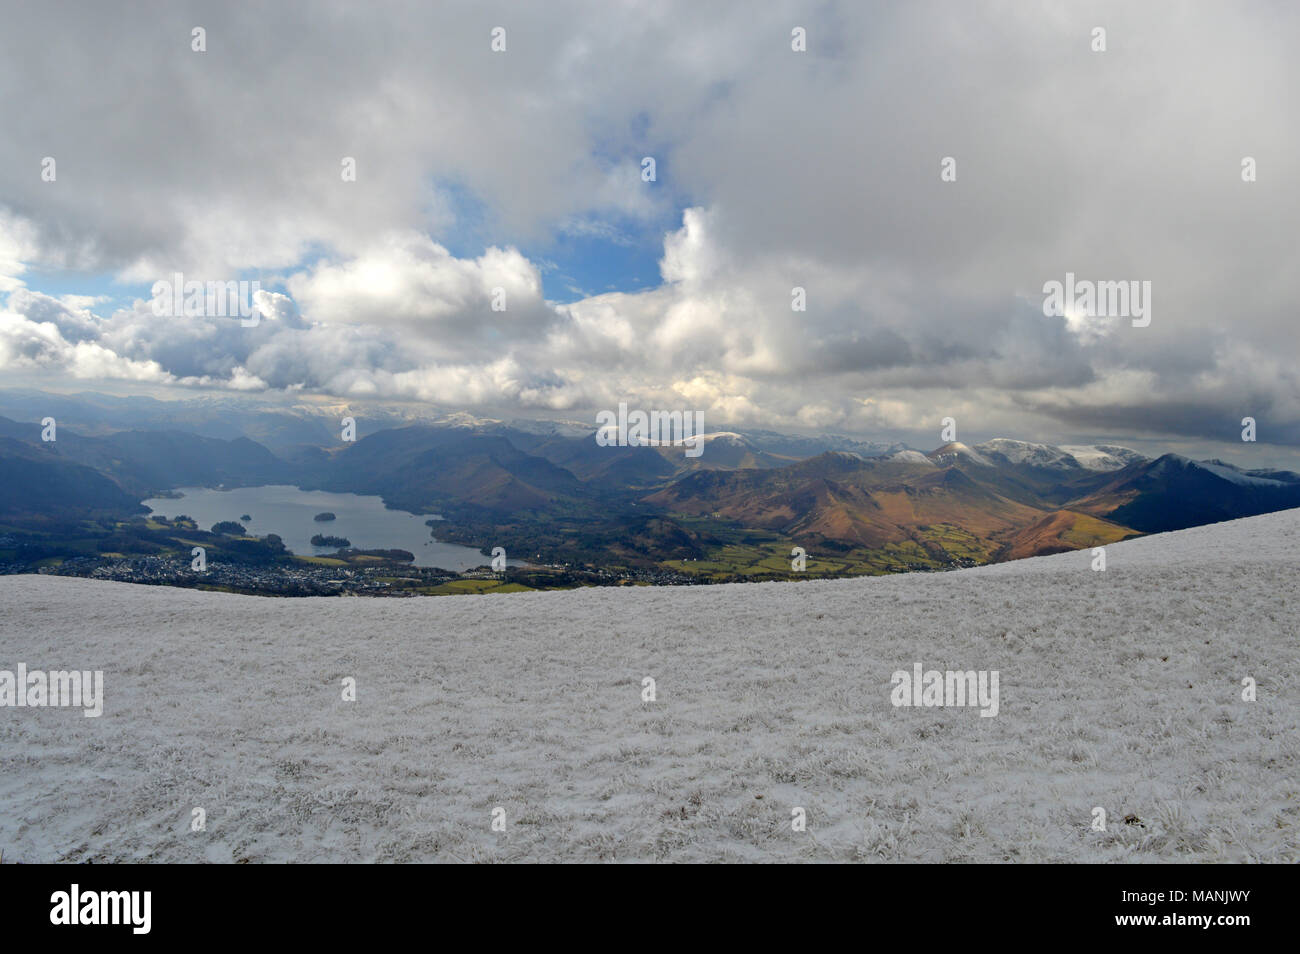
308	579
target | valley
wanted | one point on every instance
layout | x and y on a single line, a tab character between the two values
570	512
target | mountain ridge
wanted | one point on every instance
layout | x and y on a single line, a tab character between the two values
545	487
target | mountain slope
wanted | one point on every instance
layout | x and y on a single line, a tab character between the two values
1173	493
1061	531
37	481
956	452
424	468
1117	689
144	462
608	466
841	497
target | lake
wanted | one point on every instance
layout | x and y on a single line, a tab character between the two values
289	512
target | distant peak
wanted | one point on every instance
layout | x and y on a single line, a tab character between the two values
954	449
909	456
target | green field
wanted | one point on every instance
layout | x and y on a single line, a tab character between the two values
461	587
756	555
321	561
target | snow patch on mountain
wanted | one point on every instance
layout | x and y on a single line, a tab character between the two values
807	447
1233	475
557	428
725	437
910	457
1097	457
955	450
1117	690
1102	457
466	420
1026	452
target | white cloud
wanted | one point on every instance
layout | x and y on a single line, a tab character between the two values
819	170
27	345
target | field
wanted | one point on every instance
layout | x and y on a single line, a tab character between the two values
1118	689
757	554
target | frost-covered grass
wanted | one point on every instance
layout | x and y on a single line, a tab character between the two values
1118	689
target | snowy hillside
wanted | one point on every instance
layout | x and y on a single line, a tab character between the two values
1119	689
955	451
1102	456
1098	457
1025	452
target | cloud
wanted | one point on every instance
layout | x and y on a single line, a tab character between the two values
17	246
408	283
775	170
53	338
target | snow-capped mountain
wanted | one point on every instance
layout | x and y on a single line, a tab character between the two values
909	456
1094	457
1103	457
798	446
955	451
1025	452
1173	492
1236	475
556	428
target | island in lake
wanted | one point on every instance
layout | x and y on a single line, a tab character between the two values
320	540
323	517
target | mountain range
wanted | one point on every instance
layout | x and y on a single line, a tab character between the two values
547	488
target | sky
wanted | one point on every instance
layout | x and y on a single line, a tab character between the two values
516	177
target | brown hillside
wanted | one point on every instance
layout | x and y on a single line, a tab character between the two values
1062	531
